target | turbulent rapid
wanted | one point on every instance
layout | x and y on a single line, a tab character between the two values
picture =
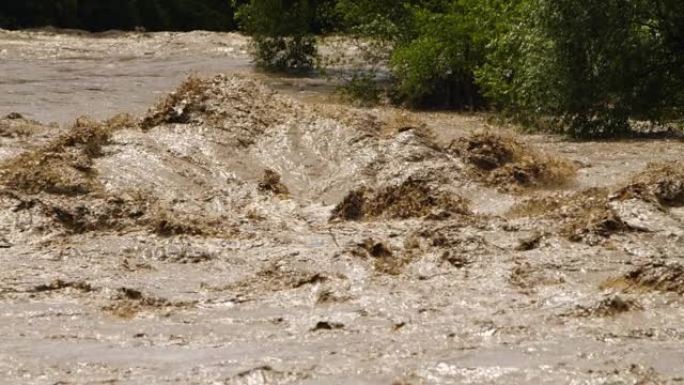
233	233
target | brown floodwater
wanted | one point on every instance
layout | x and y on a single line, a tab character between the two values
165	254
53	77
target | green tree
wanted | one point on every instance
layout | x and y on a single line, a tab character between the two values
588	68
436	67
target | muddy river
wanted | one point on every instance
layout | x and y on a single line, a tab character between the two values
234	228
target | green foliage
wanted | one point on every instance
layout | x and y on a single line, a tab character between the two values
583	67
436	67
379	19
282	33
435	47
589	67
586	68
287	54
507	77
327	18
385	19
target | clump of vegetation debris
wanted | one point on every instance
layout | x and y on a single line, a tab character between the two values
14	125
662	184
581	216
165	222
59	182
178	105
414	198
589	214
240	107
65	165
609	306
128	302
655	276
384	260
507	164
271	183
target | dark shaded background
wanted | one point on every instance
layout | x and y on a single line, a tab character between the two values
101	15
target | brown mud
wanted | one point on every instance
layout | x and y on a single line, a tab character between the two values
232	233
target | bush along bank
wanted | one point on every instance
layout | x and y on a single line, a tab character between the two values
582	68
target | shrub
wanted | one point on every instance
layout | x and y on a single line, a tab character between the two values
374	18
281	32
288	54
437	67
430	45
581	67
589	67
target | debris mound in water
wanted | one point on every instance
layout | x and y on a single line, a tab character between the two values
271	182
127	303
276	277
59	284
168	224
96	214
178	106
583	216
608	307
65	165
16	126
652	276
384	261
414	198
595	213
504	162
659	183
237	105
